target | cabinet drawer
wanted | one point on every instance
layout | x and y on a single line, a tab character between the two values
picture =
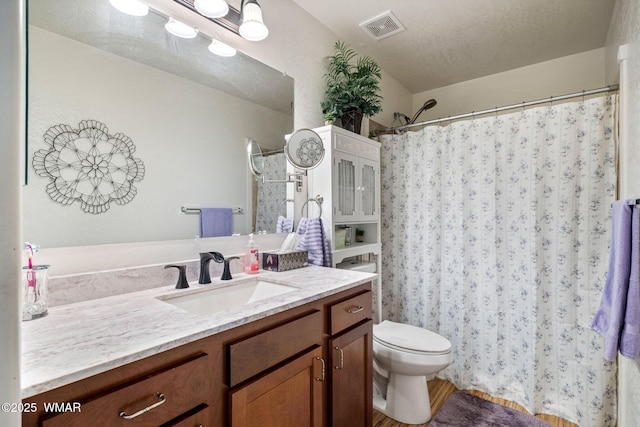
253	355
349	312
171	391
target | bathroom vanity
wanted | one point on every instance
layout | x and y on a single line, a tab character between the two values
303	357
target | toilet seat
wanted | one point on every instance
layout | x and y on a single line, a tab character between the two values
409	338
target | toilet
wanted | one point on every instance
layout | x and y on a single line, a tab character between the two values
403	357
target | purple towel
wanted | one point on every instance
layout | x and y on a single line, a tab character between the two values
216	222
284	225
630	337
616	308
314	241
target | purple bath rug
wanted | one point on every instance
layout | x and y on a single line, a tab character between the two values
466	410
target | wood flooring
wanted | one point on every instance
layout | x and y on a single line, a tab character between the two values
440	390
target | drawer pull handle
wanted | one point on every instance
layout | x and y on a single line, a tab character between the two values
161	399
341	365
323	369
355	309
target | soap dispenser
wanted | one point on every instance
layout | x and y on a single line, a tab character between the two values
251	257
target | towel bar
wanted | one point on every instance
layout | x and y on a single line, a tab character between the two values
184	209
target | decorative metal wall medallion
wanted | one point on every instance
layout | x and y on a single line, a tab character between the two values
88	165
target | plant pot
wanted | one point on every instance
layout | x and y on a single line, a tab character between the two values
352	121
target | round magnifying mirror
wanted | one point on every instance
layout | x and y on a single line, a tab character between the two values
254	155
304	149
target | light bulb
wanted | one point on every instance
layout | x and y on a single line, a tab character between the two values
252	27
179	29
221	49
130	7
212	8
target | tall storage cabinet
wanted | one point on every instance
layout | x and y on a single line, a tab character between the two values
348	179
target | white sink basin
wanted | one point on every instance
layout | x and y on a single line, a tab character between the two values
233	296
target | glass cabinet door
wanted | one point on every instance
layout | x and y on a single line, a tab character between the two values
368	189
345	185
355	188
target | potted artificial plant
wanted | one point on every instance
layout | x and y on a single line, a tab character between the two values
353	89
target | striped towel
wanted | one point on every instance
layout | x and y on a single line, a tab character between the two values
314	241
284	225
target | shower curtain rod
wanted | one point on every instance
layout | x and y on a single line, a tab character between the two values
610	88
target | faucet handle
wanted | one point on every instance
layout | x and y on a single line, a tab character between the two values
182	275
226	273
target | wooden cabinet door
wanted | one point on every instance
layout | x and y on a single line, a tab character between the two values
290	396
352	377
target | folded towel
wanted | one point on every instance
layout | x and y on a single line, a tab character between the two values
284	225
314	241
611	315
216	222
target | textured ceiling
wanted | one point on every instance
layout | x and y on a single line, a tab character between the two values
449	41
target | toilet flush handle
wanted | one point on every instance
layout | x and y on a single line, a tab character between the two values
341	365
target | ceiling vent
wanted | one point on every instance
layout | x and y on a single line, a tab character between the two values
382	26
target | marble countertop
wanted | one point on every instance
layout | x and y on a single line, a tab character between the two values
76	341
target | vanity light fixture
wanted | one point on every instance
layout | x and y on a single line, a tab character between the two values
179	29
212	8
130	7
221	49
252	27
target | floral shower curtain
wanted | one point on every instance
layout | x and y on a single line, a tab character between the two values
496	236
271	195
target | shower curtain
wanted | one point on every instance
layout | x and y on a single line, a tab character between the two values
496	236
271	195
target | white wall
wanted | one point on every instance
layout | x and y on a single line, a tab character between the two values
625	29
190	137
561	76
12	51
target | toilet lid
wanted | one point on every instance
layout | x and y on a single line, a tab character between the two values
411	338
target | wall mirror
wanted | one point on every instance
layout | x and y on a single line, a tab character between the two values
187	111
